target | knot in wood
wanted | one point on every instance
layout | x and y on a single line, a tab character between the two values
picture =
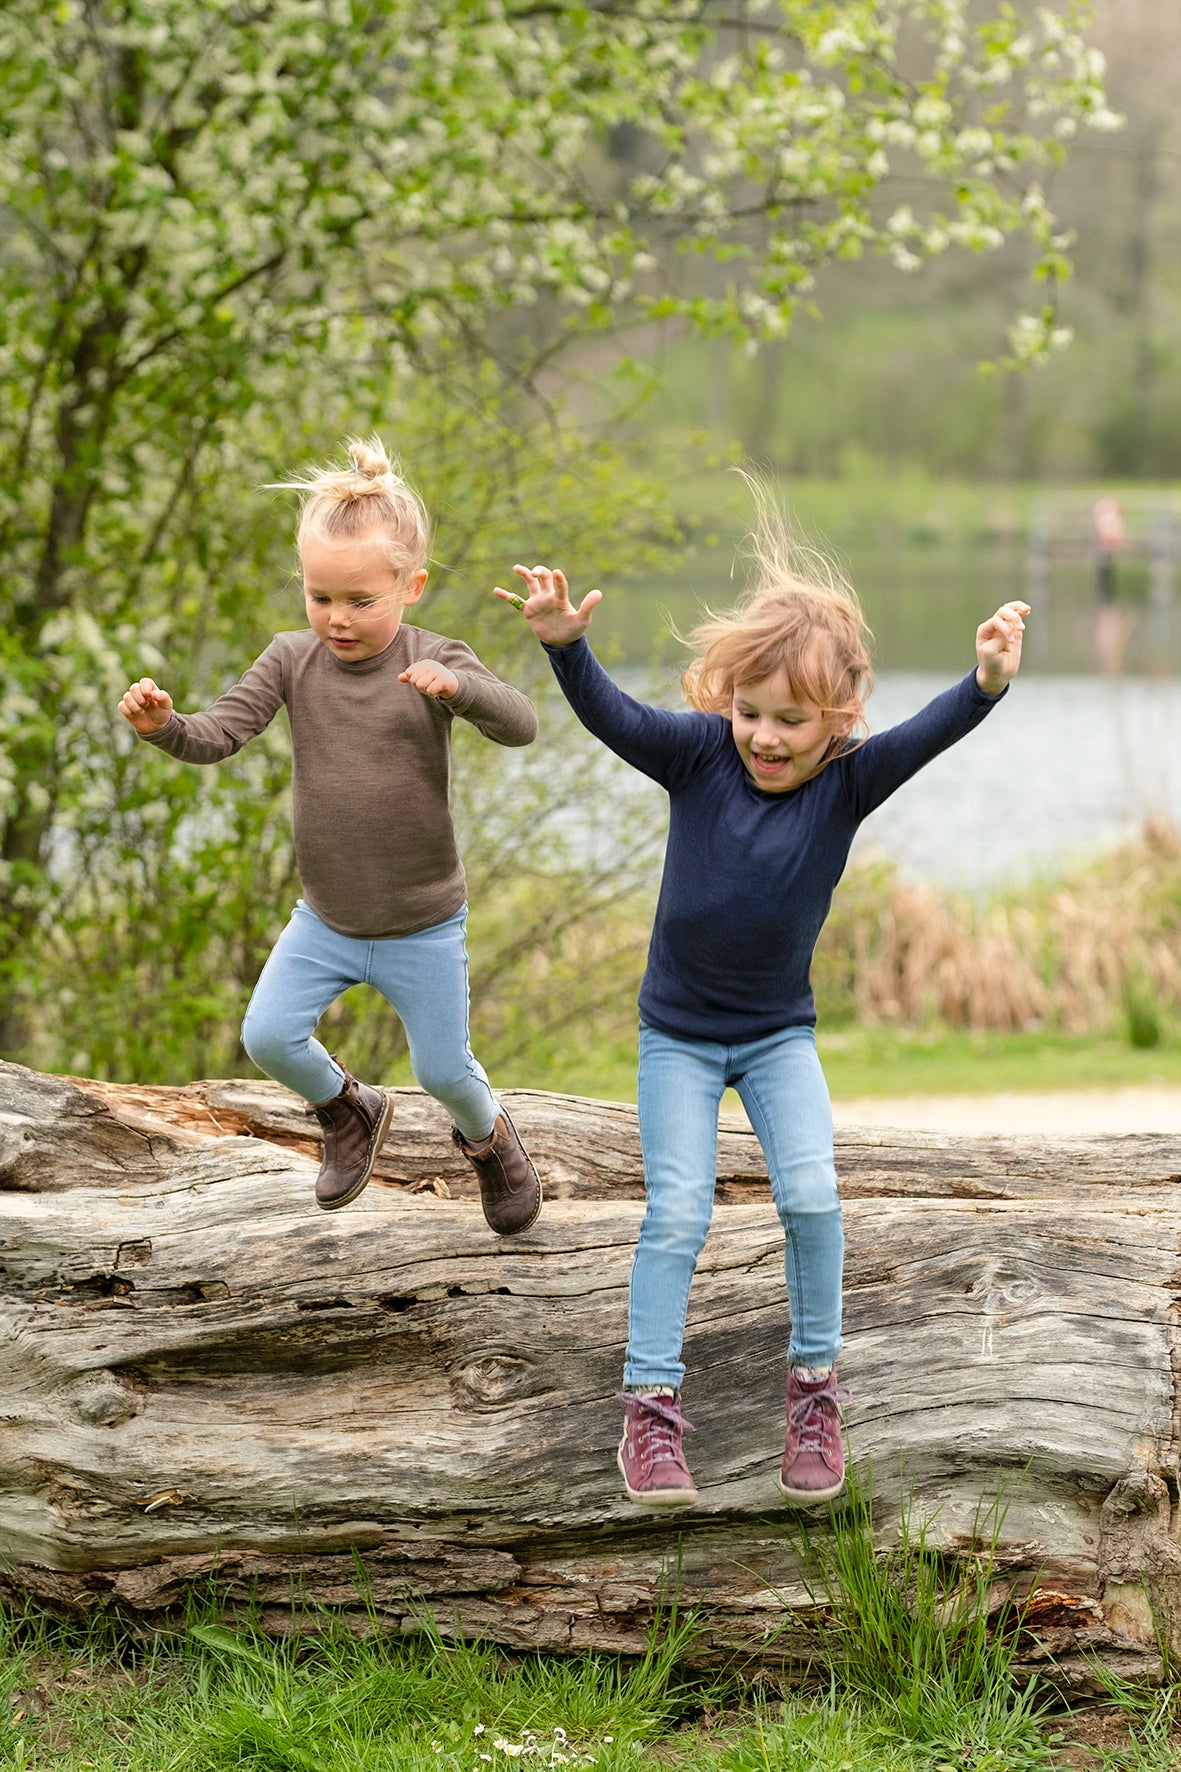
104	1399
1140	1492
494	1378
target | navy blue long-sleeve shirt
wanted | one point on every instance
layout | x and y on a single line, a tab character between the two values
748	875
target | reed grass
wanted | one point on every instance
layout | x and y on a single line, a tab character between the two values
1068	982
1097	952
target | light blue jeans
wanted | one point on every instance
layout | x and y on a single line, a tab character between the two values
781	1085
424	977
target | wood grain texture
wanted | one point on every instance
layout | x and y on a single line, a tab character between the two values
201	1372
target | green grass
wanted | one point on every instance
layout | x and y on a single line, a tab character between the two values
922	1642
876	496
919	1678
883	1062
879	1062
211	1698
1152	1712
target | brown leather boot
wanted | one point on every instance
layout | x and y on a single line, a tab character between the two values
355	1123
510	1192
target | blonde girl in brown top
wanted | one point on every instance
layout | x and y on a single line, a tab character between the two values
370	703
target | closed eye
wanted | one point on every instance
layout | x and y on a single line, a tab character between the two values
349	602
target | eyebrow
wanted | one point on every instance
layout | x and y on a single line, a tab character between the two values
791	707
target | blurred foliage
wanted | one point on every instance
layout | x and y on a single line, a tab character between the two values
171	884
234	234
888	375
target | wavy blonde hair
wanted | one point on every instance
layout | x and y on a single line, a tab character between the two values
800	616
367	498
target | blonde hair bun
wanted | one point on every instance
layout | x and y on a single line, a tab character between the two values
366	498
368	464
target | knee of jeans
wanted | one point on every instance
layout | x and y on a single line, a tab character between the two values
809	1188
265	1044
444	1081
673	1234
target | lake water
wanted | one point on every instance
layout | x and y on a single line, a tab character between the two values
1064	768
1073	761
924	604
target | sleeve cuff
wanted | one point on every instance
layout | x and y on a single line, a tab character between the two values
461	701
982	694
172	730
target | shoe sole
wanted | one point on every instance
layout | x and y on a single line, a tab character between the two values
379	1140
659	1497
809	1497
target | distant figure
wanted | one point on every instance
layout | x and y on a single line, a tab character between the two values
767	786
1109	532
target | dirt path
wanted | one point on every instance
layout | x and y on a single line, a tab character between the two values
1148	1109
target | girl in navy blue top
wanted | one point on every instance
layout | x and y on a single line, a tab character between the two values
767	786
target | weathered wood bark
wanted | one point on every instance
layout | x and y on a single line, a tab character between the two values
202	1374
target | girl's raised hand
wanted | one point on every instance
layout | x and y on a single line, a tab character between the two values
548	608
146	707
998	647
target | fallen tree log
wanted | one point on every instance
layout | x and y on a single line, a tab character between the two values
204	1379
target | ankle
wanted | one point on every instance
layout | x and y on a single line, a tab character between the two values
481	1143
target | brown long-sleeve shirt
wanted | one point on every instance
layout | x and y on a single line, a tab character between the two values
371	769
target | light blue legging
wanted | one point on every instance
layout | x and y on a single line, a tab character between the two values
424	977
781	1084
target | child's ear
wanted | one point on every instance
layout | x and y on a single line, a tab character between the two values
415	585
841	724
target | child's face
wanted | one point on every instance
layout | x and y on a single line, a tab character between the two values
781	737
353	597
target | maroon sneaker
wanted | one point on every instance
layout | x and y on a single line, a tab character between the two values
813	1466
650	1458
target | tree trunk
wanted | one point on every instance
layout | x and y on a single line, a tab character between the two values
390	1410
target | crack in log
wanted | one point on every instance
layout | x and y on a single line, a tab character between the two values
135	1252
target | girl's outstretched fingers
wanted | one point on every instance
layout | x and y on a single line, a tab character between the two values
547	607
